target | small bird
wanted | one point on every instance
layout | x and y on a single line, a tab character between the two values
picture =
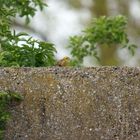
63	62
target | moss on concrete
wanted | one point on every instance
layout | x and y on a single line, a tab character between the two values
6	99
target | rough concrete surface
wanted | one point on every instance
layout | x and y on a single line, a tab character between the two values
99	103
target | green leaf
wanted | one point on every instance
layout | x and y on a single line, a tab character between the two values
103	30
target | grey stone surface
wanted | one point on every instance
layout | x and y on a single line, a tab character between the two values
99	103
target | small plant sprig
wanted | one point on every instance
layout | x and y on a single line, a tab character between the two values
103	30
5	99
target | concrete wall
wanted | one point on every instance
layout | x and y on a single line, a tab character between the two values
101	103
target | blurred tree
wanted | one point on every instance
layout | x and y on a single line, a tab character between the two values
107	8
75	3
108	53
103	31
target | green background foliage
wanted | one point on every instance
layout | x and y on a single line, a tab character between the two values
21	50
18	49
102	31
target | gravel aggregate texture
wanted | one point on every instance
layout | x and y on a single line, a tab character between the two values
65	103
